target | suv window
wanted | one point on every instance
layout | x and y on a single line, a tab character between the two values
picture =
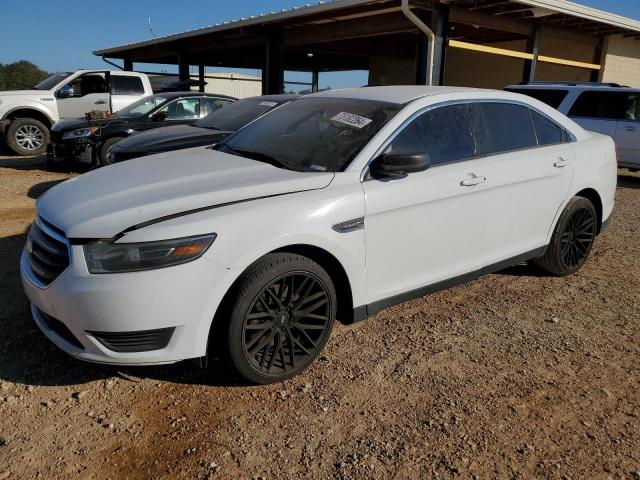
503	127
553	98
125	85
605	105
182	109
547	132
445	133
212	104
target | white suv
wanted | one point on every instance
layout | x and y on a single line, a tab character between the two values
605	108
335	205
26	116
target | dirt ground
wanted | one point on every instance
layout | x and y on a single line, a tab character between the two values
517	375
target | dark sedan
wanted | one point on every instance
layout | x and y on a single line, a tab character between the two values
79	138
207	131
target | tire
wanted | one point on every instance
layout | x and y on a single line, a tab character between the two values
103	156
27	137
572	239
281	318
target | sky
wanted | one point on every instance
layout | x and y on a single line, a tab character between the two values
60	36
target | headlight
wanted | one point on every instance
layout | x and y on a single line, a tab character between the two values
103	257
79	133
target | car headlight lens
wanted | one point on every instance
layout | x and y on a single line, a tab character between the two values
79	133
103	257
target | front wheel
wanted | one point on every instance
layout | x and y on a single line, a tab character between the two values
281	319
105	149
572	238
26	137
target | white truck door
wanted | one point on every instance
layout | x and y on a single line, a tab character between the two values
83	94
125	89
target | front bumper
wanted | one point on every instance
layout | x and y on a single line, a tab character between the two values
75	149
183	298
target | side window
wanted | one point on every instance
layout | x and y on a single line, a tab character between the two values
212	104
633	107
182	109
604	105
87	84
551	97
547	132
444	133
126	85
503	127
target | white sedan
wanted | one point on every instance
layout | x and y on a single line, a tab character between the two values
333	206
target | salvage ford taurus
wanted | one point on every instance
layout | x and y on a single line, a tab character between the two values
335	205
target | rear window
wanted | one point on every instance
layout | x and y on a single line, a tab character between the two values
121	85
503	127
604	105
553	98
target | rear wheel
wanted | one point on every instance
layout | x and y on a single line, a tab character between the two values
26	136
572	238
281	319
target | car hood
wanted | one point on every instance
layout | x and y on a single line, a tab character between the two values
105	202
68	124
175	136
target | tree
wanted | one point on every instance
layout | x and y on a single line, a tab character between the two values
20	75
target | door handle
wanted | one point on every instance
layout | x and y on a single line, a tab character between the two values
100	102
561	163
630	129
474	180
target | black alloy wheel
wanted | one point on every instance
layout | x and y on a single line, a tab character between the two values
282	318
572	238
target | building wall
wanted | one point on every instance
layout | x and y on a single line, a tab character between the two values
236	85
622	61
391	71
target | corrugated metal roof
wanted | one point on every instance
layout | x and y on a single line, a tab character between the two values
556	6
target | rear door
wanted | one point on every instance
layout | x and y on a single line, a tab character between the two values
600	110
83	94
528	165
125	89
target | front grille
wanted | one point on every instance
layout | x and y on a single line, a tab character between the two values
140	341
48	256
60	329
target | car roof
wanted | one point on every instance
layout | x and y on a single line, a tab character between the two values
172	95
281	98
400	94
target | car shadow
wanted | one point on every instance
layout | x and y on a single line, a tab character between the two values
629	181
27	357
36	191
524	270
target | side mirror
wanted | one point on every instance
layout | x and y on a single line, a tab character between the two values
159	117
65	92
399	163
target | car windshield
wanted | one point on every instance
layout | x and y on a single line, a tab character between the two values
313	134
50	82
236	115
142	106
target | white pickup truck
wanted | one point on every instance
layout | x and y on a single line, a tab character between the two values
27	115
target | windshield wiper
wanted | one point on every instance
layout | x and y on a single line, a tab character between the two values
260	157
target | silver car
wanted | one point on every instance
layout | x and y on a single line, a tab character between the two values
605	108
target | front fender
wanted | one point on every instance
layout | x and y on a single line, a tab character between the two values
10	106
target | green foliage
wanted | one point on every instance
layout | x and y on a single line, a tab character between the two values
20	75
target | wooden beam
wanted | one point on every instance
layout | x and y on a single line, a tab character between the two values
469	17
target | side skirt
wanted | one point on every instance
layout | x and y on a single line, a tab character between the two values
365	311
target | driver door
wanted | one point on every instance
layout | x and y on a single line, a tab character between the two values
83	94
429	226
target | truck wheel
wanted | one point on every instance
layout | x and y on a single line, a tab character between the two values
27	137
103	156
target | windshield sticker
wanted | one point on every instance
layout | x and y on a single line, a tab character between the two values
352	120
268	104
